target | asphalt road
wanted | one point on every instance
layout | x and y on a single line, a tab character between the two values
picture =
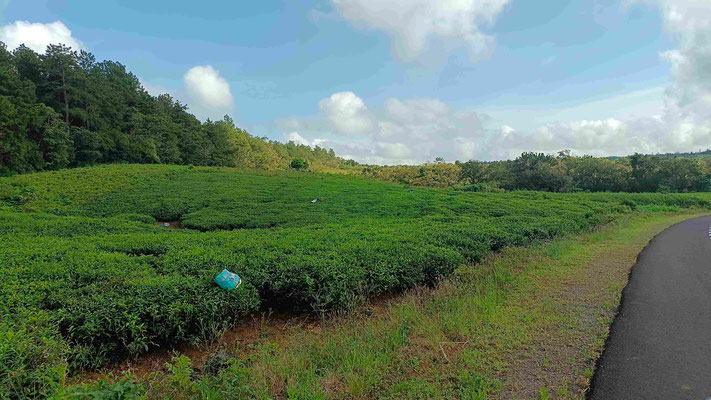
660	342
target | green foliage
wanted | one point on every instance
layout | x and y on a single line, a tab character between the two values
63	108
32	355
544	393
125	388
561	173
80	249
474	386
299	164
396	355
472	172
630	203
438	175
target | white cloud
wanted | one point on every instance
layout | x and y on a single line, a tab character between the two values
205	85
205	92
157	90
686	121
506	130
298	139
465	149
346	112
410	131
395	151
401	132
413	131
594	137
37	36
689	21
648	135
416	110
414	23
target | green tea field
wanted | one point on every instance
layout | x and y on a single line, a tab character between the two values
89	277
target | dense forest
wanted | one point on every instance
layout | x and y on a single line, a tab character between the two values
64	109
561	173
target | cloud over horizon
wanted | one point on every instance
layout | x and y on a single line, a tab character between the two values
402	132
346	112
416	130
685	124
206	93
37	36
205	85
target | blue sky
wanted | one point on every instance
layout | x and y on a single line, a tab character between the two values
499	74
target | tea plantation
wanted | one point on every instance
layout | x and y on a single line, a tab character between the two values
89	278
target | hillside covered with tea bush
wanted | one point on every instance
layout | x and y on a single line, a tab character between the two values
89	277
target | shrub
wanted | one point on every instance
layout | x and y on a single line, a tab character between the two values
32	357
299	164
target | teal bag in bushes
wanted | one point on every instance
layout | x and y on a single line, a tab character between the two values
228	280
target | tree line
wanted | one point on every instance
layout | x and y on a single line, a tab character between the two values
559	173
65	109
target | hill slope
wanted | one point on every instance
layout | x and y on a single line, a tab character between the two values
64	108
89	277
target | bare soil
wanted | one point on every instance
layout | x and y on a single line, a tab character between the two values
171	224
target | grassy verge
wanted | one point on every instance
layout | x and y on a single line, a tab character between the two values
526	323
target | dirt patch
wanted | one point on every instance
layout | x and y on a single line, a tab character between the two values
263	327
170	224
238	340
560	351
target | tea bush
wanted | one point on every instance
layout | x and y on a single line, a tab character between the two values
89	278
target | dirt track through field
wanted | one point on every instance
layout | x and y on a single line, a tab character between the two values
660	342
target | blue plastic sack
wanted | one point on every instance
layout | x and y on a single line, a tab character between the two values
228	280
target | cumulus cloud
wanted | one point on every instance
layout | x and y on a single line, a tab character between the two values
298	139
689	21
685	123
412	24
411	131
37	36
205	85
346	112
406	131
395	151
465	149
591	137
207	94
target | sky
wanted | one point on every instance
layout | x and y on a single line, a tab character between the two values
406	81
